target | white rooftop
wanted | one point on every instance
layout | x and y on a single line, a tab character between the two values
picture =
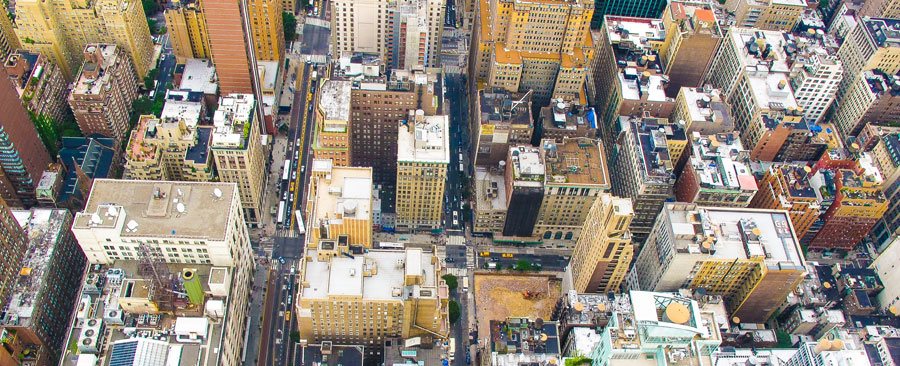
231	119
632	89
719	162
637	31
772	89
334	101
743	37
268	71
199	75
774	235
178	107
353	276
527	162
348	194
696	97
424	141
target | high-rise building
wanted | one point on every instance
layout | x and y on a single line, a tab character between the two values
575	174
626	75
774	15
12	247
169	149
604	251
858	204
103	92
184	225
238	151
749	257
23	157
397	294
627	8
503	119
873	98
423	153
340	206
187	30
489	211
717	172
267	28
643	168
516	50
786	187
814	76
885	153
702	110
42	302
331	137
404	34
9	41
885	265
524	186
827	352
880	9
231	46
868	47
752	70
377	106
62	29
692	39
39	84
563	119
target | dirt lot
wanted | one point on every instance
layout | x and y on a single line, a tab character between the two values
498	297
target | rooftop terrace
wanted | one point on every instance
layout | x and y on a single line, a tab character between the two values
94	75
796	180
522	335
736	234
527	165
568	116
233	121
577	162
158	209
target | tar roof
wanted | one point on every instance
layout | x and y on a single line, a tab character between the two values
575	162
151	208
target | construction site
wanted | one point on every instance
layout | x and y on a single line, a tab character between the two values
499	296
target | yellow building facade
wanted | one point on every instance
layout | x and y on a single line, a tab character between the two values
9	41
423	153
61	29
542	46
187	30
268	28
604	251
363	298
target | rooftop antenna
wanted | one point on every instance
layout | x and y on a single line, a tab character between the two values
520	101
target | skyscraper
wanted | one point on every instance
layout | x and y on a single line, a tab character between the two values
238	151
12	248
775	15
186	25
23	157
692	38
61	29
104	91
267	28
228	34
332	118
423	154
516	49
604	251
9	41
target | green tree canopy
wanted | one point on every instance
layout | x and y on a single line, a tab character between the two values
452	283
453	311
289	21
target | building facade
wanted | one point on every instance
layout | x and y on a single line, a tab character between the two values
524	180
692	38
39	84
9	41
231	46
238	151
43	300
397	293
103	92
12	246
23	157
716	173
186	25
575	175
880	9
61	30
604	251
867	48
331	138
169	149
775	15
423	154
787	187
267	28
858	204
873	98
749	257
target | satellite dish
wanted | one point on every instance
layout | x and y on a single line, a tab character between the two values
217	192
180	207
95	219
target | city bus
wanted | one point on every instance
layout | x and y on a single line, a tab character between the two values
281	212
287	170
301	229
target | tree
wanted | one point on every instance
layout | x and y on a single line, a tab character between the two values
295	336
47	130
289	22
148	80
452	283
523	265
150	7
154	28
453	311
